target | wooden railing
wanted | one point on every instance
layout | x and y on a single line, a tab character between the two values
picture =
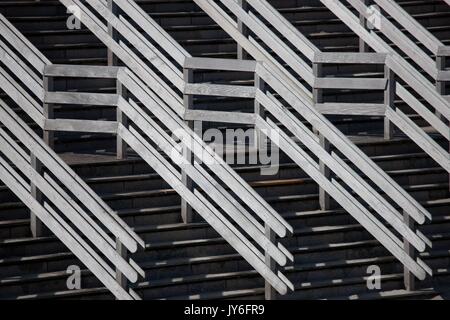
211	188
347	183
416	83
53	192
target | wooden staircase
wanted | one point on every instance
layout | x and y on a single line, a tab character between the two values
332	251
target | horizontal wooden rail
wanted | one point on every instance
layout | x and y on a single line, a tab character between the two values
81	98
219	90
356	109
87	126
350	83
220	64
81	71
219	116
349	58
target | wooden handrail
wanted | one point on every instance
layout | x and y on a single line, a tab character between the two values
166	104
291	91
61	185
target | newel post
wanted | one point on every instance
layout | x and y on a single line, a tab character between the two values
186	209
114	8
241	53
121	119
389	100
120	277
269	292
324	197
363	46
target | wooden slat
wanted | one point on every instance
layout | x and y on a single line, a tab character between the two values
220	64
424	141
63	231
219	90
87	126
153	29
165	169
80	71
81	98
219	116
356	109
347	201
416	29
349	58
277	20
350	83
71	180
443	76
444	51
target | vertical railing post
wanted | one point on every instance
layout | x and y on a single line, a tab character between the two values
363	46
112	58
38	229
260	140
241	53
409	278
441	64
186	209
389	100
324	198
122	119
120	277
270	292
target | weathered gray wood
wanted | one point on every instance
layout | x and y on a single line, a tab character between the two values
270	292
21	97
213	217
112	58
120	277
416	29
88	126
424	141
22	45
363	46
277	20
37	227
220	64
158	34
68	178
351	178
389	100
48	135
80	71
121	146
214	161
362	215
350	83
144	46
81	219
241	54
63	231
219	116
409	280
349	58
186	210
81	98
443	51
219	90
260	139
443	76
357	109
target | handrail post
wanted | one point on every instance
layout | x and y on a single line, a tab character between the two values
122	119
241	53
324	198
440	85
38	229
389	100
269	292
112	58
408	276
363	46
260	140
186	209
120	277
